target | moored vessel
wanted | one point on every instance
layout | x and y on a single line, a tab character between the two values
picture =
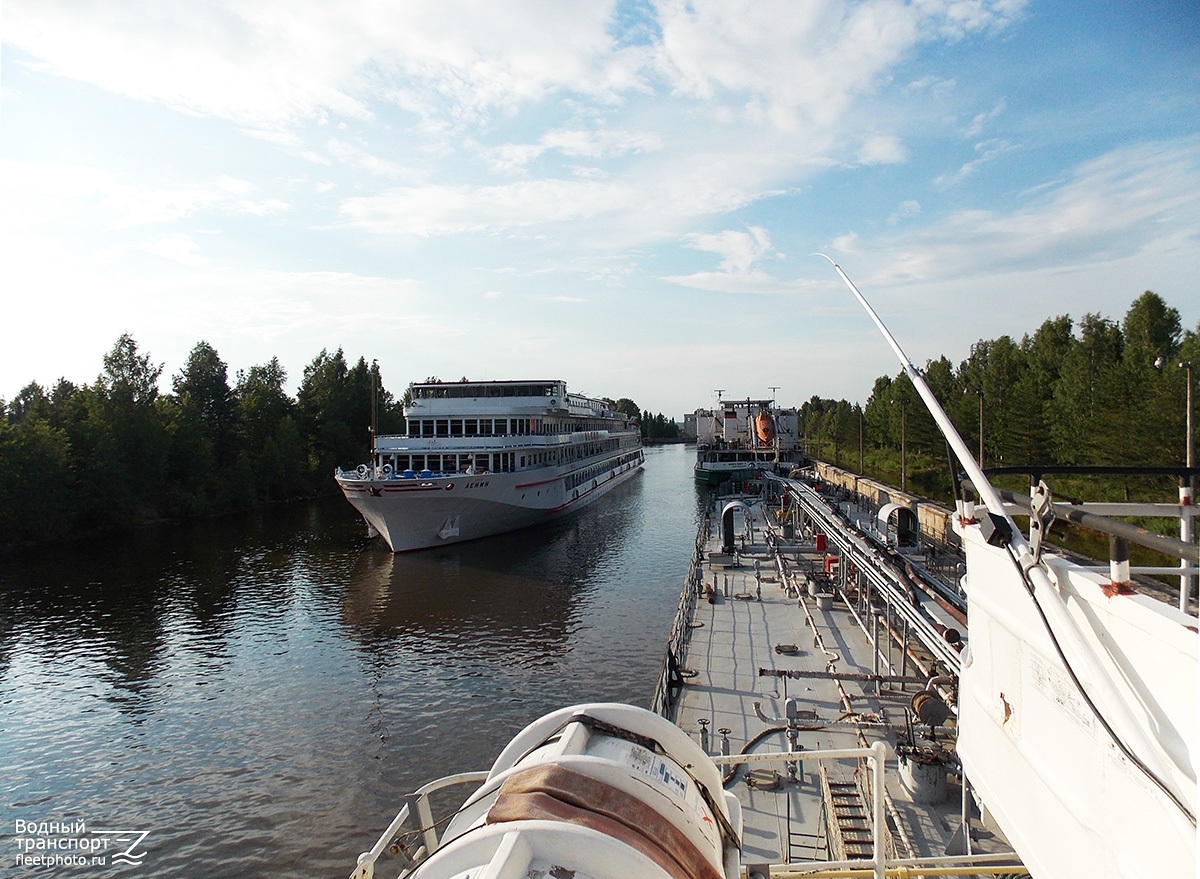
483	458
738	439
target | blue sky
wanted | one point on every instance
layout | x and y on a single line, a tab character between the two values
621	195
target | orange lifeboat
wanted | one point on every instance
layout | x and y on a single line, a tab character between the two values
764	427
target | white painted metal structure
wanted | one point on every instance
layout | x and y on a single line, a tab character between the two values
1077	701
483	458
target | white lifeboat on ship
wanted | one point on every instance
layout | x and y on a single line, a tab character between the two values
601	790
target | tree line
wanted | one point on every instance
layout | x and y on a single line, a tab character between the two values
653	426
658	426
1096	392
119	453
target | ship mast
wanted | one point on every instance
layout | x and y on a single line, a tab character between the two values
374	409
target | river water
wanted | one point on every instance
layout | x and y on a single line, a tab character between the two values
256	693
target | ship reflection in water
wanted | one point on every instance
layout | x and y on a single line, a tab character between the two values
255	691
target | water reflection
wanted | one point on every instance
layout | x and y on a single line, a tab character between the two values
523	584
259	690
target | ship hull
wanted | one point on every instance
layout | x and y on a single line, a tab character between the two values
716	474
413	514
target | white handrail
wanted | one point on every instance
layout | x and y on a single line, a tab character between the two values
876	755
365	868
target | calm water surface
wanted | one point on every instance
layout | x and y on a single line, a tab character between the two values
258	692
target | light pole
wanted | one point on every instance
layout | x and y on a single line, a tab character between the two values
978	392
1187	524
1187	490
860	438
903	446
1191	448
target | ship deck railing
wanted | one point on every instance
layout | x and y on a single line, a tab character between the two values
415	819
413	834
375	474
670	674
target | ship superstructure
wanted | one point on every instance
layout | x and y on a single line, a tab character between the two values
482	458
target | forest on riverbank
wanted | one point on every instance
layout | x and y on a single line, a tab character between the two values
119	453
1097	392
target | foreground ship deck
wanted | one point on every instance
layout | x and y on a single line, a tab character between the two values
774	662
823	757
821	678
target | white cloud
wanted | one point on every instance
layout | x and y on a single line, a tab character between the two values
562	297
739	251
908	209
755	281
848	243
41	194
882	149
178	248
981	119
272	64
443	210
740	254
986	151
575	143
788	62
1136	198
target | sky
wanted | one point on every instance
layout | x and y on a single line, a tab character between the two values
625	196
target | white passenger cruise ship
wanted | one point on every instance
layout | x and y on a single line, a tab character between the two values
482	458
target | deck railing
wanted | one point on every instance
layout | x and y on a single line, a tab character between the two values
413	834
667	689
417	826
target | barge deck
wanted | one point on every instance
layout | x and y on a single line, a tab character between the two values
776	654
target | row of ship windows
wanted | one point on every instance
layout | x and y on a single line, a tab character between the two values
459	390
595	470
481	462
495	462
436	427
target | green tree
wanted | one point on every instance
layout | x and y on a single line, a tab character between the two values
877	414
334	406
31	402
1080	399
124	479
207	402
1044	354
204	446
1152	335
272	448
35	466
